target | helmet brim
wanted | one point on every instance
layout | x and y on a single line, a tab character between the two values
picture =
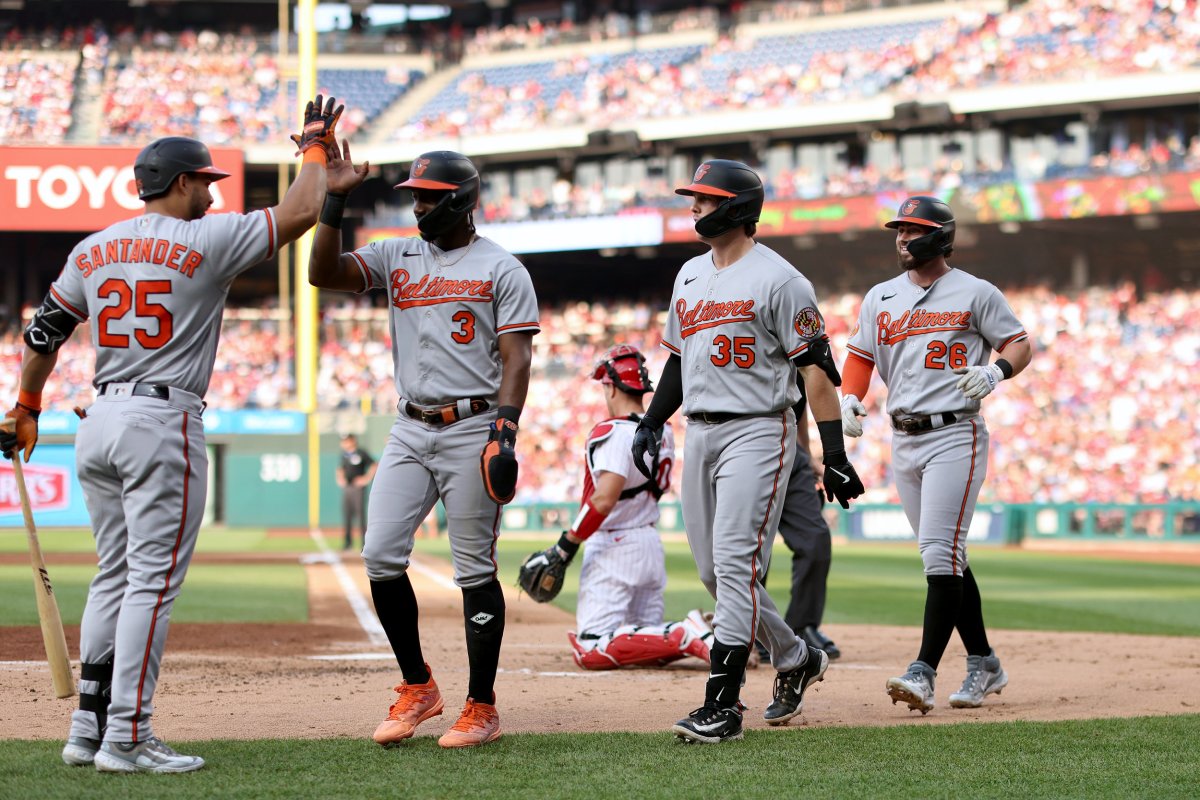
421	183
700	188
914	220
217	174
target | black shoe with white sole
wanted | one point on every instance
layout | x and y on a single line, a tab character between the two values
710	725
790	686
813	636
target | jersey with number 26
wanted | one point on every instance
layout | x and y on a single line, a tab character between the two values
154	289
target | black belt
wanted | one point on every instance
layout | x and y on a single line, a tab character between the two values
919	423
444	415
715	418
139	390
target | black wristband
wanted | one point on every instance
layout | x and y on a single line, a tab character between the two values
1005	368
831	436
567	546
332	210
510	413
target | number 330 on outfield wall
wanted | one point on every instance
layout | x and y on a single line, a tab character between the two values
280	468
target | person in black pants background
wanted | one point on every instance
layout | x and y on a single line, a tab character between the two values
355	470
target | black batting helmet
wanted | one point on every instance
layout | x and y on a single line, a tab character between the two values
445	171
624	367
930	213
738	184
164	160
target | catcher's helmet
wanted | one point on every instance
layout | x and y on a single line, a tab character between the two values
624	367
453	173
164	160
931	213
738	184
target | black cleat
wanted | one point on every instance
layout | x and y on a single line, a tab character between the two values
790	686
814	638
709	725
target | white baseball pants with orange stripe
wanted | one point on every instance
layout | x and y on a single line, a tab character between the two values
938	476
734	483
143	466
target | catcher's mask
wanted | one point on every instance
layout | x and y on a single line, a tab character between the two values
163	160
738	184
624	367
449	172
932	213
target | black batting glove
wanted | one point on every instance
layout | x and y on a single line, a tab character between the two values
645	442
840	479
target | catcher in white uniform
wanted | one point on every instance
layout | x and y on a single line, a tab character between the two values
930	332
619	615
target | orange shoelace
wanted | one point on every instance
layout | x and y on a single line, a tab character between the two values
410	696
474	715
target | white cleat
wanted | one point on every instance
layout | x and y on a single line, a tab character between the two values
984	676
152	755
914	687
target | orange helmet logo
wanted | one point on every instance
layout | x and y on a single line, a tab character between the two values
909	207
701	171
418	167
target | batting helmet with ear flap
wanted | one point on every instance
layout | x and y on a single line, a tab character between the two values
449	172
163	160
740	187
930	213
624	367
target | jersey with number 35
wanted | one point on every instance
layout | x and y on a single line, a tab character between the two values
447	313
917	337
154	289
736	330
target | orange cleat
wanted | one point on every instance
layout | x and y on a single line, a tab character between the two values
417	702
478	724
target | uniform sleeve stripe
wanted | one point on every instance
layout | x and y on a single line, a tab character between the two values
74	311
863	354
671	347
525	325
362	265
799	350
1018	337
270	232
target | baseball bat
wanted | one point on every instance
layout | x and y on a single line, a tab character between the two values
52	627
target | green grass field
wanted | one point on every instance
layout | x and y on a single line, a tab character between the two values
1147	757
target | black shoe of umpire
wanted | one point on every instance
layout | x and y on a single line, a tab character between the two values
813	636
790	686
710	725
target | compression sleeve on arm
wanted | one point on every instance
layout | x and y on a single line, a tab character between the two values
856	379
668	397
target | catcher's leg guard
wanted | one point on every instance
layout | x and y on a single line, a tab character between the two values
655	646
589	657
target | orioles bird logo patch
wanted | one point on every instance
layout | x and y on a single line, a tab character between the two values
418	167
909	207
807	322
701	171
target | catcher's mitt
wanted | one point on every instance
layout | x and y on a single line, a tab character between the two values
542	574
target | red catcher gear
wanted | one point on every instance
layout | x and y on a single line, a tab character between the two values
625	367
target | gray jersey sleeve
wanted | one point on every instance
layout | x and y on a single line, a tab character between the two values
516	302
795	317
373	262
997	323
862	338
232	243
68	290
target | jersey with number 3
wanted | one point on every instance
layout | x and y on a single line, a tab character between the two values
736	330
447	313
610	449
917	337
154	289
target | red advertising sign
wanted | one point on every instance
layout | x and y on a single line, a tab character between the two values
48	487
88	188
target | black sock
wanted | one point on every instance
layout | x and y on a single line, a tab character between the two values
726	670
396	607
98	701
483	611
970	618
943	599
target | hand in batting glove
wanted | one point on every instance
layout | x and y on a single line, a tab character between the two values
21	433
542	574
841	481
319	126
852	409
498	462
978	382
645	442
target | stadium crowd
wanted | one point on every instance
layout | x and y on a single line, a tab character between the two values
1072	433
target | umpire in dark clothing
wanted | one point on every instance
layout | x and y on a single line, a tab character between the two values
355	470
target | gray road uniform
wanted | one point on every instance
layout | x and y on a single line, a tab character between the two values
153	289
736	330
447	313
915	338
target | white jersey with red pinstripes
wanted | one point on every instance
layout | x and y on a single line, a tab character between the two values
916	337
154	288
736	330
448	310
610	449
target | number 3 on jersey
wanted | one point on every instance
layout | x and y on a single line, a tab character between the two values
739	350
137	298
466	327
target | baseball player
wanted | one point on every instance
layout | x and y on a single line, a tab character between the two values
742	320
463	317
619	614
153	290
930	332
355	471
